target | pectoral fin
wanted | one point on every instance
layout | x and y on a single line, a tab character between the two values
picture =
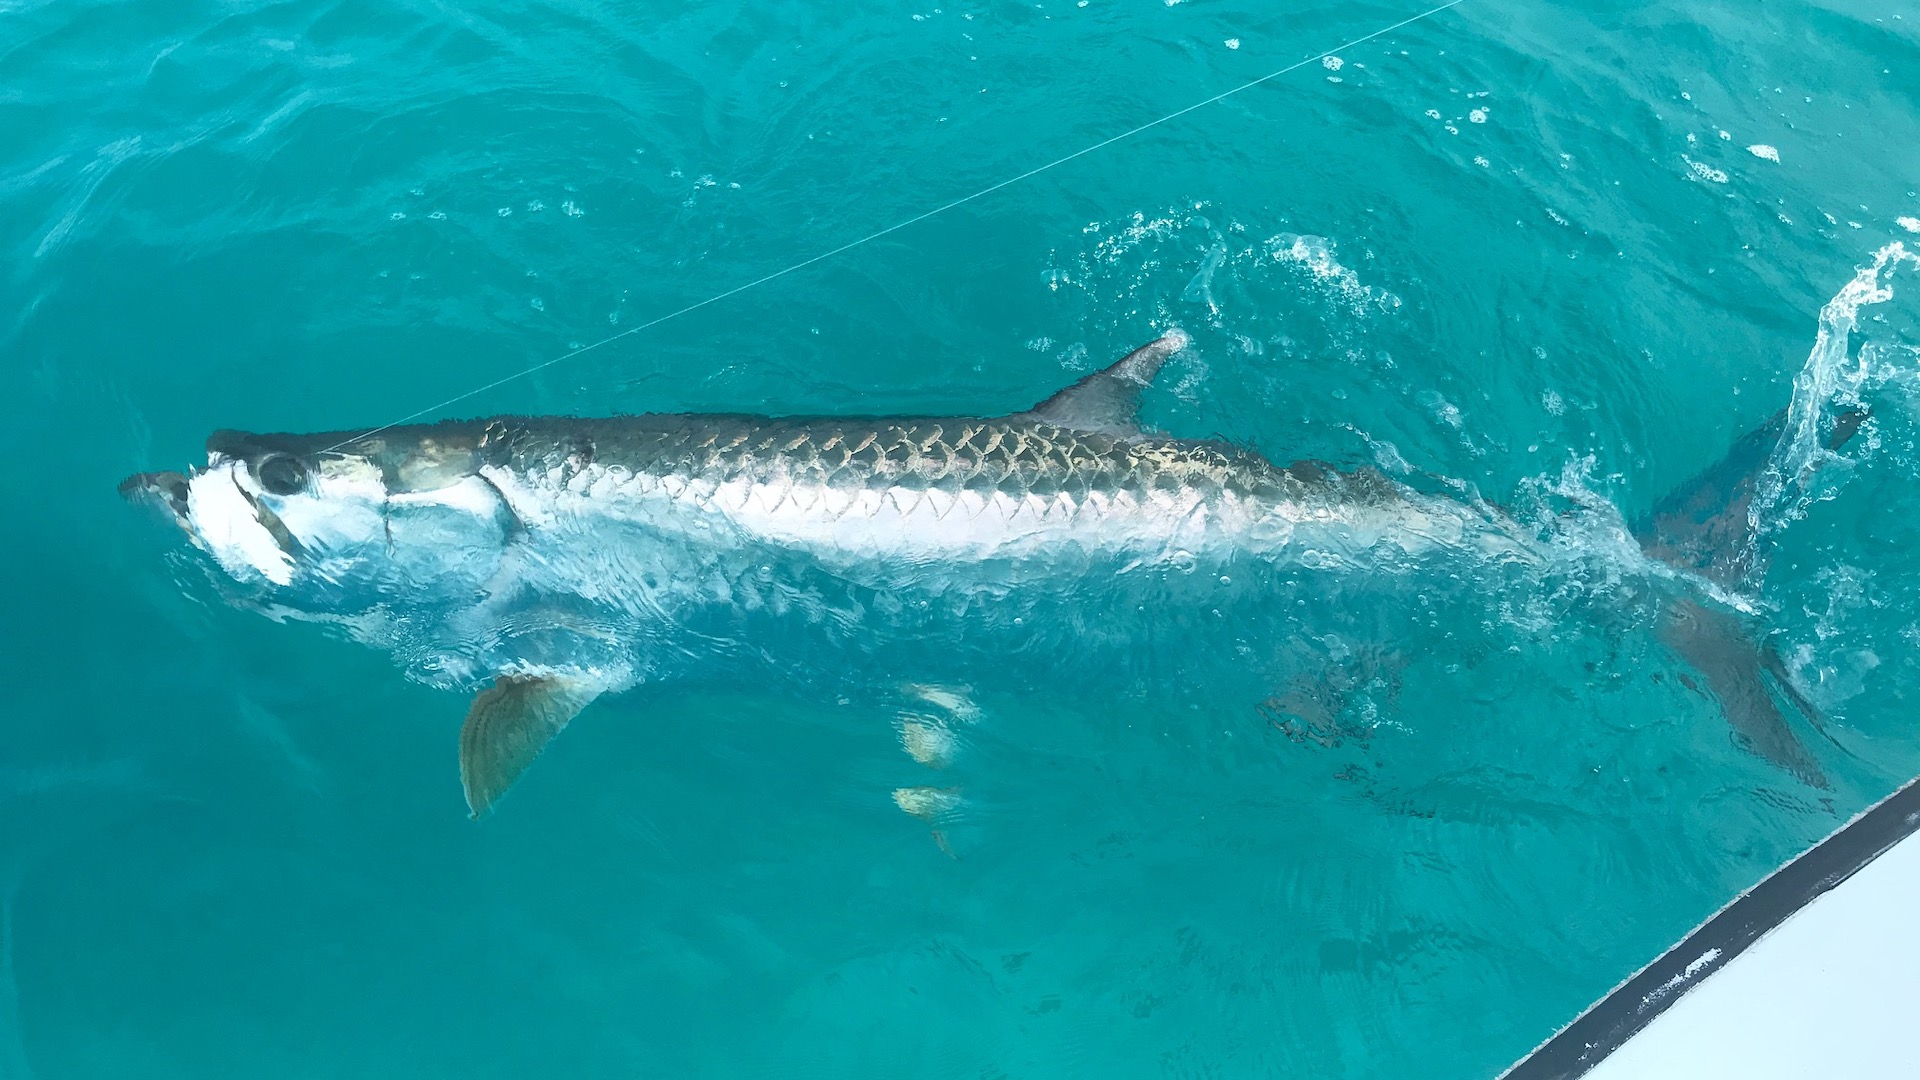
508	725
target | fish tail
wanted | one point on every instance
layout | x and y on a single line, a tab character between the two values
1706	526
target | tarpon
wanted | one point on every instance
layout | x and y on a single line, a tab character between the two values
548	560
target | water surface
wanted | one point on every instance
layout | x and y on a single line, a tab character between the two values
1551	251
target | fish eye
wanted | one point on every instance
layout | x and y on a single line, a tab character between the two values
281	474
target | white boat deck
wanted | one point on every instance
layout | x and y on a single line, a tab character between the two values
1833	992
1810	975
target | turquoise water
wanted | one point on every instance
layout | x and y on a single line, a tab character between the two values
1552	251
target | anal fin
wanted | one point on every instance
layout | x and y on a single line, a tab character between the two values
508	725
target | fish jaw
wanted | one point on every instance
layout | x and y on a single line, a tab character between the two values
163	492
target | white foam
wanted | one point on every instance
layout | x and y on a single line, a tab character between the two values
1703	171
1315	253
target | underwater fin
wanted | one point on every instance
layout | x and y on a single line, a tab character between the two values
928	803
1704	524
1717	645
1109	399
508	725
1337	699
932	805
1846	425
1776	666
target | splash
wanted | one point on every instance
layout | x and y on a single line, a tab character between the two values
1233	272
1315	254
1200	289
1589	554
1803	470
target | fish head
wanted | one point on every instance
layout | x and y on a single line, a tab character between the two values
337	523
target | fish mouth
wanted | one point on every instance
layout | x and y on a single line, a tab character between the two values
162	491
169	493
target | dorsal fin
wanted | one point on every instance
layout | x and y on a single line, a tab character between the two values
1109	399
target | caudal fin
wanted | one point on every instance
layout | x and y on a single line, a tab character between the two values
1706	526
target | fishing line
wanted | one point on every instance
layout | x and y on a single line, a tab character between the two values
914	220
